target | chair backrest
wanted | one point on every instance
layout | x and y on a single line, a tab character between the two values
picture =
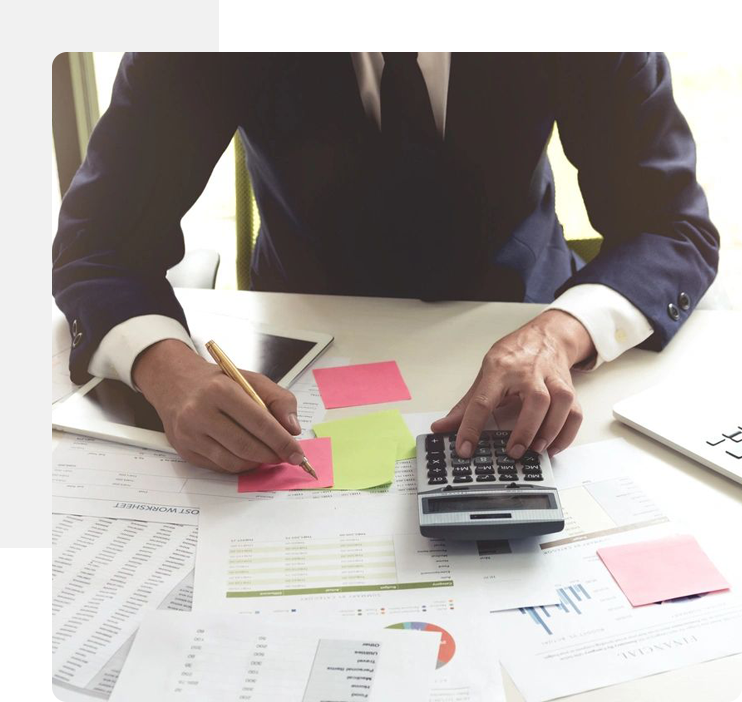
246	215
198	269
586	249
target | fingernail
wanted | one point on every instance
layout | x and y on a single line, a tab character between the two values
294	422
539	445
517	451
466	449
296	459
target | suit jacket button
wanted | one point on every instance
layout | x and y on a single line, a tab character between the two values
74	328
684	301
674	312
76	340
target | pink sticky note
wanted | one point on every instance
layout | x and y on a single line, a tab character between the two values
284	476
662	569
362	384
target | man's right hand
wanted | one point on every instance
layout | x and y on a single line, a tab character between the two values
209	419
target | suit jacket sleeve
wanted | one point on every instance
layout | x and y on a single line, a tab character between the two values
636	159
149	158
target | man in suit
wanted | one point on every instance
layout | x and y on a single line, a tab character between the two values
402	175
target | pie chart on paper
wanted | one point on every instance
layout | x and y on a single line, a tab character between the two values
448	645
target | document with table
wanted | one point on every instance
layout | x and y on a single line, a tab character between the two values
216	657
364	551
107	574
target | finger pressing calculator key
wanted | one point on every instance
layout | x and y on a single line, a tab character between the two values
488	496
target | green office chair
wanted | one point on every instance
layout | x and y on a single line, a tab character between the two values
586	248
246	214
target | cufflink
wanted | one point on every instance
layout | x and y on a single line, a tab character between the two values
674	312
76	335
684	301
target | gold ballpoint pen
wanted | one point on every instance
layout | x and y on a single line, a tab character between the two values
233	372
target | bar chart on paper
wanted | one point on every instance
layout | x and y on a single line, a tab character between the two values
356	562
574	599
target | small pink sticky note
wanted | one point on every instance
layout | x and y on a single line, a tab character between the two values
284	476
662	569
362	384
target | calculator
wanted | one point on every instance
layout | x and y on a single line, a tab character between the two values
487	496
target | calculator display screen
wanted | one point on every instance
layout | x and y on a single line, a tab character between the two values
487	503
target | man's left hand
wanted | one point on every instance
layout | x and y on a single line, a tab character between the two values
533	363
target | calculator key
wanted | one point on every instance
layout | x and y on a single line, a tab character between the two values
436	463
499	443
533	476
452	439
530	454
501	434
487	451
461	461
463	479
530	461
433	472
483	461
485	478
506	469
505	461
461	470
438	480
536	470
484	470
511	477
434	442
500	452
435	454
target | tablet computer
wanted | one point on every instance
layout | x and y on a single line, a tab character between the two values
109	409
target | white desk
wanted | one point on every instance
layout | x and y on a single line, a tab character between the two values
439	348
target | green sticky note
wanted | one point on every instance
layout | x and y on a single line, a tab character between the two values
371	428
358	465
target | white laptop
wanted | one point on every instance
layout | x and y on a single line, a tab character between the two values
701	419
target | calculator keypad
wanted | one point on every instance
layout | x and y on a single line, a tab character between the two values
490	462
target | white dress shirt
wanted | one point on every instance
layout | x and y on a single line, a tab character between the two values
614	324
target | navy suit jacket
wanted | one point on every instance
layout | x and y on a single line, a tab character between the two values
471	219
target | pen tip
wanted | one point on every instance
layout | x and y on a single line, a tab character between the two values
307	466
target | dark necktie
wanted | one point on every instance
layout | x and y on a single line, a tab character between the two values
406	114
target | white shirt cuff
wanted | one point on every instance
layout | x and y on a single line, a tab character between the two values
114	358
614	324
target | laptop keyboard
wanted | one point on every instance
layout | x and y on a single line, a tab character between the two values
730	441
